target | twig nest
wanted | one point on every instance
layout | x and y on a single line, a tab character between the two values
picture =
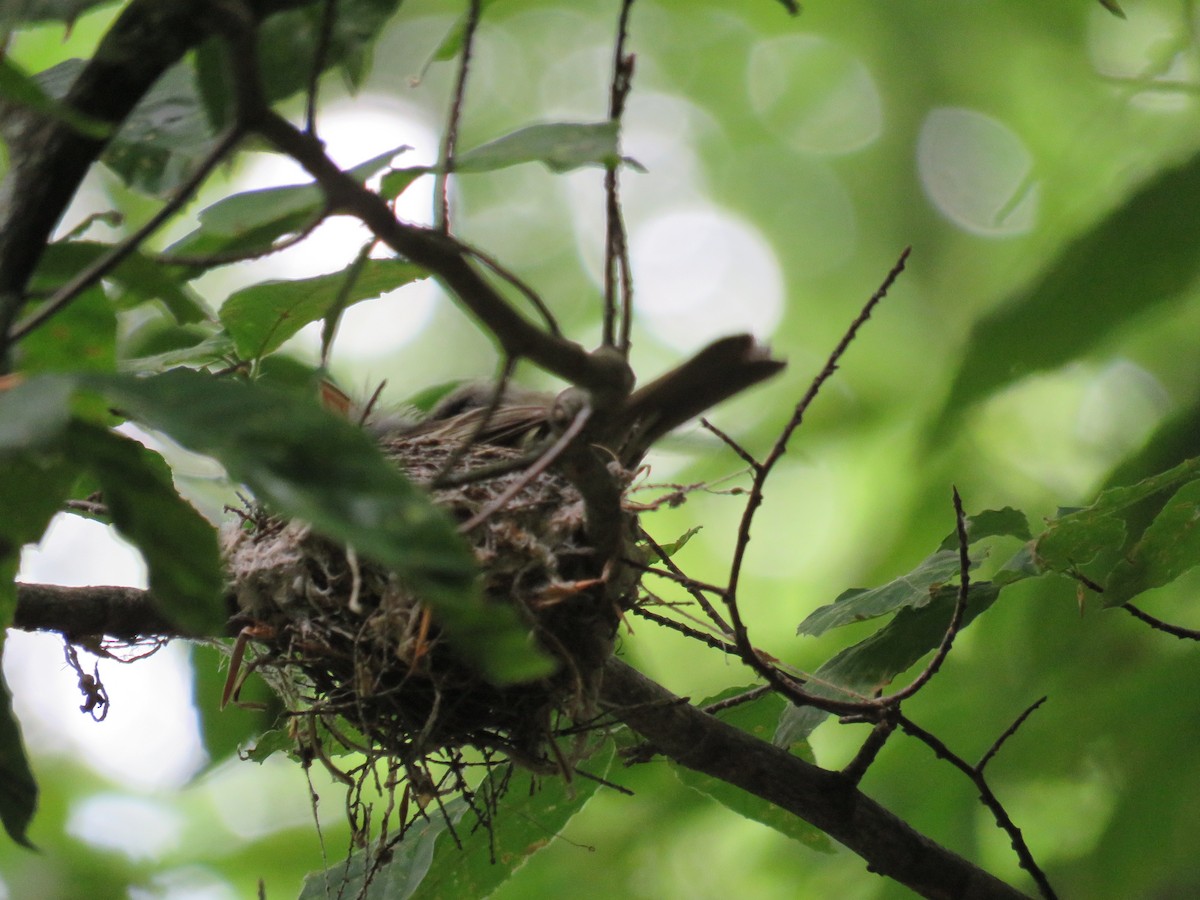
348	640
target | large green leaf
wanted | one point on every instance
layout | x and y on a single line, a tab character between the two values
872	663
18	790
401	875
428	864
1142	255
81	336
139	278
531	812
252	221
261	317
179	545
562	146
307	463
1077	537
1169	547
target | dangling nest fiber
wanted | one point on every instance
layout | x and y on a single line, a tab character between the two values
351	642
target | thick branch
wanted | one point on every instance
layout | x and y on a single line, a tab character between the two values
826	799
690	736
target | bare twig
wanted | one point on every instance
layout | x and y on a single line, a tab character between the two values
616	247
742	453
320	54
988	798
1008	732
956	618
441	217
1186	634
745	648
113	258
691	586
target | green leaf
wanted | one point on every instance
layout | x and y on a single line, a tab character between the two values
20	88
81	336
309	464
526	811
1077	537
1006	522
139	278
912	590
397	181
531	811
34	414
401	875
1169	547
261	317
179	545
758	717
18	790
871	664
252	221
561	146
673	547
1094	288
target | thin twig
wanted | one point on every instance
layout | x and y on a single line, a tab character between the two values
742	453
441	217
956	618
857	767
114	257
522	286
616	245
1186	634
691	586
507	365
320	54
1008	732
745	648
988	798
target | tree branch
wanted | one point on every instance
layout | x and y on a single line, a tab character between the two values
686	734
48	157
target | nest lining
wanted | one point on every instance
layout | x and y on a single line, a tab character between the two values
353	642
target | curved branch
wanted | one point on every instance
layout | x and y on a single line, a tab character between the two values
688	735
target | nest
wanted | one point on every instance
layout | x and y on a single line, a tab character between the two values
348	643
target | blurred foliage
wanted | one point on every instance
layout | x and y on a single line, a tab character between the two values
1040	159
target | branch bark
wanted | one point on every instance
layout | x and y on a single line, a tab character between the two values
686	734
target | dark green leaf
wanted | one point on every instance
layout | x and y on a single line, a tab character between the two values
912	590
1077	537
1167	549
165	138
307	463
81	336
287	42
562	146
18	790
1095	286
180	547
1007	522
251	222
140	279
20	88
261	317
871	664
1113	7
526	818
